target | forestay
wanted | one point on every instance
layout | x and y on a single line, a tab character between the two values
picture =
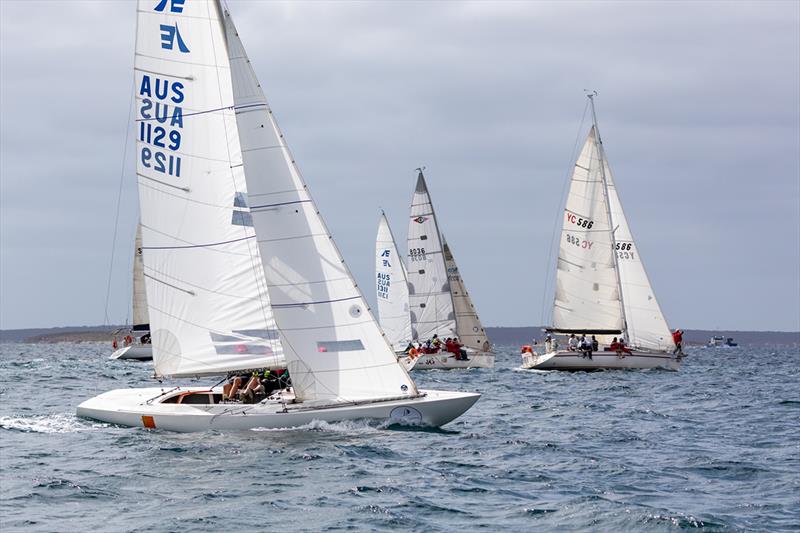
391	287
646	326
587	295
432	308
469	329
334	348
141	320
209	306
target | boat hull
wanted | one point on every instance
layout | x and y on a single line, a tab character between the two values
138	352
446	360
568	360
144	408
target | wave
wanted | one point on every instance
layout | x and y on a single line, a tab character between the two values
55	423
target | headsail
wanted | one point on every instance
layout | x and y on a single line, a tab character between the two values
334	348
646	326
391	286
469	329
141	318
432	307
587	296
209	307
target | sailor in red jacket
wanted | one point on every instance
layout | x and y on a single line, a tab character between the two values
677	338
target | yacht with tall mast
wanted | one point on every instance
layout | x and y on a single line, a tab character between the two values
242	273
602	290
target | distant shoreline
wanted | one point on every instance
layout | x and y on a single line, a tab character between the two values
501	336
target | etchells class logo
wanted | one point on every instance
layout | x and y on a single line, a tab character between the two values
420	219
170	34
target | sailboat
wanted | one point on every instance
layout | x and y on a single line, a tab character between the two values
602	289
391	288
136	339
220	196
439	302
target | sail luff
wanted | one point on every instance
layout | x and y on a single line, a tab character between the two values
334	348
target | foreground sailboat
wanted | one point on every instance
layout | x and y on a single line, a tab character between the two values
136	339
602	289
439	302
221	196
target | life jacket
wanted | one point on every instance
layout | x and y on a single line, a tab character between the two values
413	353
527	349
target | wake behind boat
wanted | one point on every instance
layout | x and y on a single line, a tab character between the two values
242	273
604	302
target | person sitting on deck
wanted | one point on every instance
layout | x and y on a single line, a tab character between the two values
572	344
436	342
548	344
595	344
586	347
253	388
230	389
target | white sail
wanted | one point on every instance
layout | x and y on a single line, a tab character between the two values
141	318
469	329
334	348
646	326
208	303
587	295
431	303
391	287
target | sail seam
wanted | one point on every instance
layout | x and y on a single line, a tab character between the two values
306	304
197	245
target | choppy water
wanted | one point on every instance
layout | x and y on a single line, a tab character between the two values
714	446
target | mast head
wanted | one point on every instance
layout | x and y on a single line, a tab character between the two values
421	187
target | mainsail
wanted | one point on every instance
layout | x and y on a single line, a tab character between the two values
209	306
469	329
141	319
431	303
587	296
334	348
391	287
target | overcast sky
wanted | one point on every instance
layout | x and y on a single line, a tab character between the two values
699	105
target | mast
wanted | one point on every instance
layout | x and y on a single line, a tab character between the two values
601	157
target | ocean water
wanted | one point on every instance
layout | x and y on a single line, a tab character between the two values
715	446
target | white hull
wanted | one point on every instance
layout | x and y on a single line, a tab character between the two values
148	408
567	360
447	360
139	352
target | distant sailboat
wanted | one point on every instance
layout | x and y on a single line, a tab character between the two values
602	289
221	197
439	302
391	287
136	340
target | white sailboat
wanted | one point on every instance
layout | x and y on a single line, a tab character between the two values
602	289
439	302
391	288
221	196
135	340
